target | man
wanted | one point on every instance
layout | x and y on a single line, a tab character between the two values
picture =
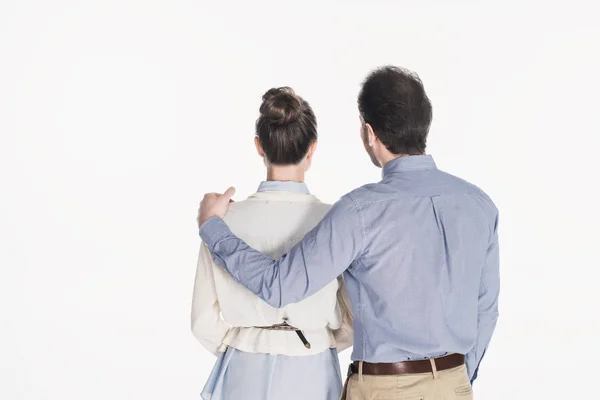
419	253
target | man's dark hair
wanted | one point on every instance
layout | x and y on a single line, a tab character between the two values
393	101
286	127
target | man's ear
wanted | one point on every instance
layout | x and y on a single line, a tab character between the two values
371	137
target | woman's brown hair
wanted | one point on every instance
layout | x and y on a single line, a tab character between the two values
286	127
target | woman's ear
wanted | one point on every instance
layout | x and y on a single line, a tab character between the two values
311	150
259	148
260	151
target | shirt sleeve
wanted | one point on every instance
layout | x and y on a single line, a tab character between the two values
344	335
207	325
487	306
322	256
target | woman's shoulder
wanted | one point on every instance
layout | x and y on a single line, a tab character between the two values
261	211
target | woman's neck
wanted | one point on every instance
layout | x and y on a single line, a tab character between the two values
292	173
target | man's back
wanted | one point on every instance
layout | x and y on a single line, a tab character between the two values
416	285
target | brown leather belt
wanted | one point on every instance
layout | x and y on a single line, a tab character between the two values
409	367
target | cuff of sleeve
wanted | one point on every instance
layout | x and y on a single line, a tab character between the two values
213	231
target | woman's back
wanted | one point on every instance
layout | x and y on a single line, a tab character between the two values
273	221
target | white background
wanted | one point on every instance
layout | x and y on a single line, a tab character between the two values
116	116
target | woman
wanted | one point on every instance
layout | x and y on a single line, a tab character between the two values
266	353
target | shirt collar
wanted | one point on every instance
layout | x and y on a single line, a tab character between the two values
283	186
409	163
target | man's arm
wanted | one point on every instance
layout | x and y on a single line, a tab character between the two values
344	335
323	254
488	305
207	325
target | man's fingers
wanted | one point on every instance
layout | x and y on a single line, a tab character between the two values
211	195
228	194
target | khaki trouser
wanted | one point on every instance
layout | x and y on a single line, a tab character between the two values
439	385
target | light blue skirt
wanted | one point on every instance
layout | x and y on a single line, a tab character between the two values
256	376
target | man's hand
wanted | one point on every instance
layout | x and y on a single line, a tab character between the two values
214	205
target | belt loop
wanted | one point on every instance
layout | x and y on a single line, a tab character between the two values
360	371
433	368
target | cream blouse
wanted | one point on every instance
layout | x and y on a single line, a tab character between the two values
224	313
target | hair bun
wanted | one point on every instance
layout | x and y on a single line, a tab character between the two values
281	106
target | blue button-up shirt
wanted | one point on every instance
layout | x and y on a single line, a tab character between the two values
419	252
